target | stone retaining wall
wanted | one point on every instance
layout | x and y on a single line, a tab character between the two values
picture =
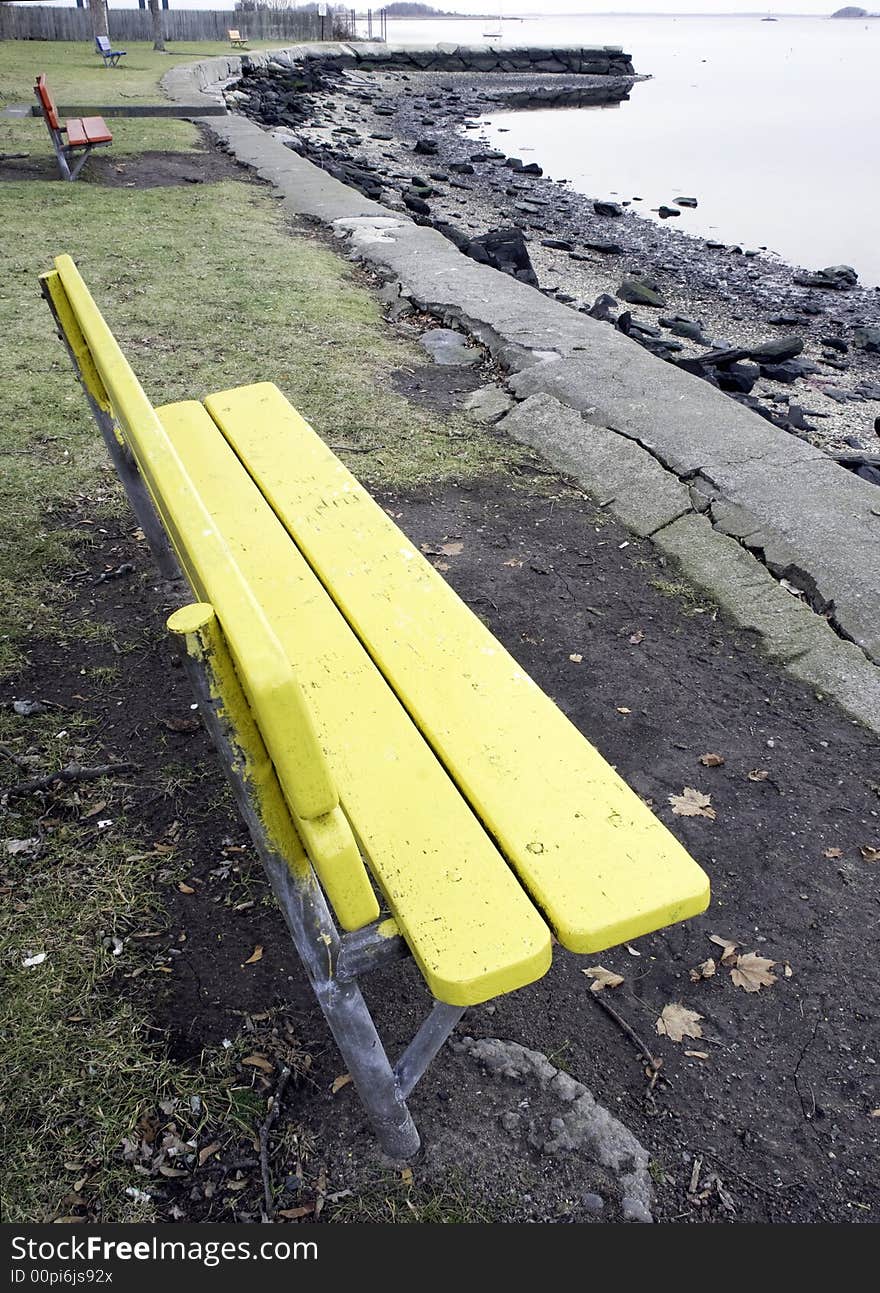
201	82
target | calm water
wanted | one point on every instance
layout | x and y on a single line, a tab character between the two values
773	127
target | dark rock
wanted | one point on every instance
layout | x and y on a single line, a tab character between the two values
608	208
606	248
681	327
416	204
715	246
836	277
796	419
602	307
557	244
777	350
738	377
462	168
835	343
686	202
665	212
867	339
504	249
640	291
721	358
784	320
426	147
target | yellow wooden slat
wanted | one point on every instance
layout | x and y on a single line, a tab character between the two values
597	862
471	927
273	690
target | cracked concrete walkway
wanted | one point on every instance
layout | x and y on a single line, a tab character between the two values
735	501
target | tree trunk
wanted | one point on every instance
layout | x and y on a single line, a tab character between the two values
99	17
156	18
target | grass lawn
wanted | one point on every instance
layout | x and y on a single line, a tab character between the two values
205	288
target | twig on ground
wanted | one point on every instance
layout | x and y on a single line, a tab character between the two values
17	759
654	1062
355	448
66	776
265	1132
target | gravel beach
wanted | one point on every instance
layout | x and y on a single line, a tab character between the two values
800	346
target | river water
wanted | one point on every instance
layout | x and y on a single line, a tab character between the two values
773	126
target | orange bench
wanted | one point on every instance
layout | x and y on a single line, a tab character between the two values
76	138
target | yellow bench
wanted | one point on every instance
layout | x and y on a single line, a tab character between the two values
410	789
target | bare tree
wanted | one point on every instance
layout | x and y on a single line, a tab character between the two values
156	19
99	17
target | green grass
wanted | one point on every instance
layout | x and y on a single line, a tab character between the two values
76	73
205	288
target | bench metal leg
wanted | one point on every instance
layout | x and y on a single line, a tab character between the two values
414	1061
300	897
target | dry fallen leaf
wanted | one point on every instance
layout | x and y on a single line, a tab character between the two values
622	709
208	1152
869	853
256	955
677	1022
180	724
185	888
728	956
340	1082
576	658
759	774
406	1176
513	562
172	1171
602	978
259	1062
875	1113
294	1214
692	803
705	970
636	638
697	1055
752	972
443	550
712	760
832	853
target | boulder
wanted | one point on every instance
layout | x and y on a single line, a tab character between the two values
838	278
777	350
557	244
605	248
608	208
426	147
665	212
640	291
504	249
686	202
866	338
602	308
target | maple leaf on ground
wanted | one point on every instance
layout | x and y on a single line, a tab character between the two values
728	956
340	1082
832	853
705	970
759	774
712	760
602	978
692	803
869	853
752	972
256	955
677	1022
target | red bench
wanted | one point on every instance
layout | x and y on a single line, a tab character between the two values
82	133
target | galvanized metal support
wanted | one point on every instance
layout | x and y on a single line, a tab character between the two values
227	717
414	1061
368	949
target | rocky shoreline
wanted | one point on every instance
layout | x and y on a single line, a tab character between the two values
801	348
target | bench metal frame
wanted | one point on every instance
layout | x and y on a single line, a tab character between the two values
334	961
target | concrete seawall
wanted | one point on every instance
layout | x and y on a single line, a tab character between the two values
738	504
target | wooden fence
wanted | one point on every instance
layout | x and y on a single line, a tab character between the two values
40	22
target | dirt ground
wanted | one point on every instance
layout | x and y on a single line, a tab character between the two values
779	1111
773	1114
145	170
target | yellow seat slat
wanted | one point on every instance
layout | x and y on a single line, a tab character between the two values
470	925
596	861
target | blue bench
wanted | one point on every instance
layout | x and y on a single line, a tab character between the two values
110	56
